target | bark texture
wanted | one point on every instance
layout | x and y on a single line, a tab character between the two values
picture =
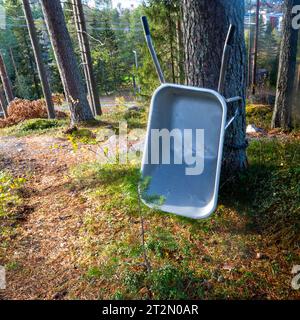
3	103
282	116
38	59
6	81
205	28
66	60
86	56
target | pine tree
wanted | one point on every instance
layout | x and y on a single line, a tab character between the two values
205	28
66	60
282	116
17	39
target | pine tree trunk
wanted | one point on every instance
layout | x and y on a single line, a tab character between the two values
205	26
38	59
6	81
14	65
86	56
3	103
66	60
180	53
32	67
255	49
287	70
170	27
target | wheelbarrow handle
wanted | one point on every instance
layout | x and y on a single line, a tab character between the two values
146	25
152	50
225	58
230	35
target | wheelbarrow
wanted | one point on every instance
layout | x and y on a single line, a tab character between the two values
182	156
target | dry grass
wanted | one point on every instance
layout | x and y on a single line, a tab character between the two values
20	110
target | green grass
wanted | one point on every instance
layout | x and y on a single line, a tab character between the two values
270	191
39	124
13	266
209	259
165	283
34	127
258	212
136	119
87	132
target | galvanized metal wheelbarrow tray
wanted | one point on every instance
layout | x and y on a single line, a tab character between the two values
185	123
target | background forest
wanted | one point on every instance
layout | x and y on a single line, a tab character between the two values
120	58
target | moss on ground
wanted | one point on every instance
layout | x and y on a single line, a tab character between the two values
246	250
259	115
35	127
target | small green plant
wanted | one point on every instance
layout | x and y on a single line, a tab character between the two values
134	281
162	243
10	200
164	283
93	272
170	282
83	136
9	197
136	118
13	266
118	296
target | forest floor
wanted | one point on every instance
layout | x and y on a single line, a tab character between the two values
73	227
39	254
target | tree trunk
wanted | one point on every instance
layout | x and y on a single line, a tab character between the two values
255	53
14	65
66	61
298	79
287	69
31	62
180	54
3	102
170	27
38	59
6	81
205	26
86	56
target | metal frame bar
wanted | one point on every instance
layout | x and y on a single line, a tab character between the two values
225	57
236	114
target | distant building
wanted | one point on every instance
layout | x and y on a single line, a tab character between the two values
275	18
270	12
